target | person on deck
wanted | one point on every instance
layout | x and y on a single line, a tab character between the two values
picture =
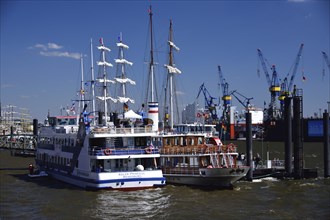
31	169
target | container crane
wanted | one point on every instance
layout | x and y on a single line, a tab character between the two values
225	97
274	88
245	102
209	103
286	86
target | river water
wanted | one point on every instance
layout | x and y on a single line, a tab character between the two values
46	198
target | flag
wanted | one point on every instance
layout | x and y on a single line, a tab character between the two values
304	78
101	40
72	107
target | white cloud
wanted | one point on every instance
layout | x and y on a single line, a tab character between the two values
297	1
54	46
48	46
60	54
39	46
53	50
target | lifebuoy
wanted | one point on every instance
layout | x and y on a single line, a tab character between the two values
107	151
148	150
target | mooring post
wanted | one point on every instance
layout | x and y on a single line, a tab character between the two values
249	151
297	135
35	127
288	137
326	151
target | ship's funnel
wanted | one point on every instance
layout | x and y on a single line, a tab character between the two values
153	114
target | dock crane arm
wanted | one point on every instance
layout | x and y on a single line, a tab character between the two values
264	67
325	56
209	104
295	67
245	103
222	82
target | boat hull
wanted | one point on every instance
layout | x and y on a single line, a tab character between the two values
208	177
114	181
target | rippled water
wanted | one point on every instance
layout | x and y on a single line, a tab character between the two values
46	198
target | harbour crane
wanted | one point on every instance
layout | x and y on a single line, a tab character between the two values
274	88
209	103
225	97
245	102
286	86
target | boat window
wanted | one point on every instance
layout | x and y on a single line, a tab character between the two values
130	141
97	142
200	140
72	121
176	141
140	141
157	142
167	141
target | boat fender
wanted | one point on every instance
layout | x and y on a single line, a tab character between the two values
107	151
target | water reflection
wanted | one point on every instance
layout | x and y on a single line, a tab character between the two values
142	204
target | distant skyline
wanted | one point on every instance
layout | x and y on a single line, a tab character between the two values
41	43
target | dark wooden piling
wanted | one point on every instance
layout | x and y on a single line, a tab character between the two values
297	135
35	127
249	152
326	151
288	136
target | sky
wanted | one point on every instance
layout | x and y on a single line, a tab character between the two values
41	43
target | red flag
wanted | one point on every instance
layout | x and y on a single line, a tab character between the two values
101	40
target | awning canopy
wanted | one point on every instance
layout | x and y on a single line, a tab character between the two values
132	114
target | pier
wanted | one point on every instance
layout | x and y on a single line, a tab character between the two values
19	144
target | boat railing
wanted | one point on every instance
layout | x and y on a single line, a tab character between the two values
121	130
181	170
123	151
122	169
197	149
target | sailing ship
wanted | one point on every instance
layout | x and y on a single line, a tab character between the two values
98	154
190	154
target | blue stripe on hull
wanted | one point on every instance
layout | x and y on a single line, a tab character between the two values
93	183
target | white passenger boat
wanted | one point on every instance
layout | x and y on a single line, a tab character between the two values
104	157
100	155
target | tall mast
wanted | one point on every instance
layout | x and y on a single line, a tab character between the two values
103	79
171	71
121	77
93	81
151	80
82	89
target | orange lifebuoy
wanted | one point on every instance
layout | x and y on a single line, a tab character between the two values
148	150
107	151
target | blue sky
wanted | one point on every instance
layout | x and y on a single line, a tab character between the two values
41	42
